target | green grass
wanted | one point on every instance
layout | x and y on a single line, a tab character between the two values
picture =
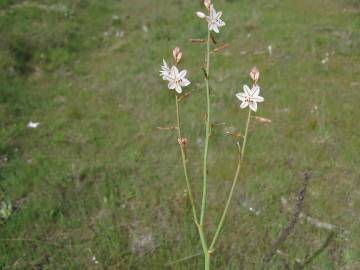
97	178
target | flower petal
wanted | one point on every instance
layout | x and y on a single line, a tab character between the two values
255	91
212	11
220	23
241	96
210	26
257	99
215	28
174	71
166	75
172	85
165	64
178	89
182	74
253	105
218	15
244	104
247	90
184	82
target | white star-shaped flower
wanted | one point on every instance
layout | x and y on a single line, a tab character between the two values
250	97
214	21
165	71
177	79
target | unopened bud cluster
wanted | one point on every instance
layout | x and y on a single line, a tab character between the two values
177	54
207	3
254	74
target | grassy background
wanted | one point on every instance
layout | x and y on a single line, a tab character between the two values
98	179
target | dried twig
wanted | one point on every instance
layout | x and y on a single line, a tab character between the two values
184	96
205	73
317	222
294	219
262	120
197	40
234	134
222	47
320	250
213	39
168	128
311	220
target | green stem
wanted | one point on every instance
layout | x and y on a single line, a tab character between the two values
207	261
233	185
204	195
203	202
183	158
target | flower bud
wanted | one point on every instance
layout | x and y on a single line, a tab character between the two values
200	14
183	142
207	3
254	74
262	120
177	53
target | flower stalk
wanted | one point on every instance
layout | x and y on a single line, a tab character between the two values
236	177
207	132
184	161
206	147
249	98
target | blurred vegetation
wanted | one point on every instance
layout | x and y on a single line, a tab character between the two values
97	178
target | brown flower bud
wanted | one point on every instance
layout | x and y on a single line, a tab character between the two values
254	74
262	120
183	141
234	134
222	47
177	53
207	3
